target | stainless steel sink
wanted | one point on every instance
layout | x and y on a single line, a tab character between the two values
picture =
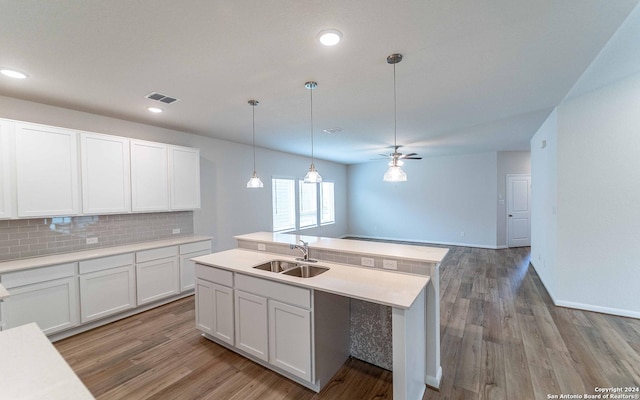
276	266
306	271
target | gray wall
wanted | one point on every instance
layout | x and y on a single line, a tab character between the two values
446	200
228	207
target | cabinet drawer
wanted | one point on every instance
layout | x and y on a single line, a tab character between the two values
100	264
279	291
195	247
216	275
156	254
21	278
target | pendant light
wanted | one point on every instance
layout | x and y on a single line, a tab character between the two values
254	182
312	176
395	172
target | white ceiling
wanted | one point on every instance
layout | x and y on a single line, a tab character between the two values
477	75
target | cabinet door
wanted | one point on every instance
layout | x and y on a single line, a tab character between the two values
214	310
46	170
290	339
53	305
7	187
106	185
149	176
184	177
251	324
157	279
107	292
187	268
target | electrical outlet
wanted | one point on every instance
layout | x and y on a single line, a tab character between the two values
367	262
92	240
262	246
176	231
389	264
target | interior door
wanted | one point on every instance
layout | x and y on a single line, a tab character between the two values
519	210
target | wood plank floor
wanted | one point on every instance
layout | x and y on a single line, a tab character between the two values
502	338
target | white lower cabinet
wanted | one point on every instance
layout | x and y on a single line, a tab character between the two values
187	252
214	310
47	296
107	286
157	274
251	324
290	339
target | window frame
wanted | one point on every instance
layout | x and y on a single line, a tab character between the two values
297	204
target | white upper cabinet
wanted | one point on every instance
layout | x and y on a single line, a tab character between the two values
7	187
46	171
106	184
149	176
184	177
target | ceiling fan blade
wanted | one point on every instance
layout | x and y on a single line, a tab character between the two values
410	154
412	158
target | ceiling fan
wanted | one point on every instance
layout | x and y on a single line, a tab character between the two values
397	156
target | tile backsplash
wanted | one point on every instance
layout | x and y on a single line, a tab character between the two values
26	238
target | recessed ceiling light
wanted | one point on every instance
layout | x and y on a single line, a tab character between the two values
13	73
330	37
155	110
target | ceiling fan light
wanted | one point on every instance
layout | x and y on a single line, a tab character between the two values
312	176
396	162
395	174
255	182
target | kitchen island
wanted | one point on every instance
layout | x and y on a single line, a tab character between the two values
284	321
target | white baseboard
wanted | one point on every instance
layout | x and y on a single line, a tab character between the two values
598	309
480	246
434	381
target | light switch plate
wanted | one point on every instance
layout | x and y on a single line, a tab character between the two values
262	246
367	262
176	231
92	240
389	264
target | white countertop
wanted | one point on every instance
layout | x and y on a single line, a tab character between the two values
389	288
396	250
32	368
3	292
36	262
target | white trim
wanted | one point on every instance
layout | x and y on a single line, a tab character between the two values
598	309
434	381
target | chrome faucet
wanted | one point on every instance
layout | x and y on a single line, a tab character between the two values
304	249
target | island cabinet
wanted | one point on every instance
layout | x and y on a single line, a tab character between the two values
158	274
107	286
47	296
214	303
290	329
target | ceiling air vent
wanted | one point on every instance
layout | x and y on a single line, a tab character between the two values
332	130
161	98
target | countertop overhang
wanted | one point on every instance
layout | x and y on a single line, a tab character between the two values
377	286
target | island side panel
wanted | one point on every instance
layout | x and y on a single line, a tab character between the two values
409	348
432	308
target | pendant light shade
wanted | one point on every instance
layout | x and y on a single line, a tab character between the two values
313	176
395	172
254	182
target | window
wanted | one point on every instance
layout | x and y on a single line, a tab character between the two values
328	215
284	204
309	206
